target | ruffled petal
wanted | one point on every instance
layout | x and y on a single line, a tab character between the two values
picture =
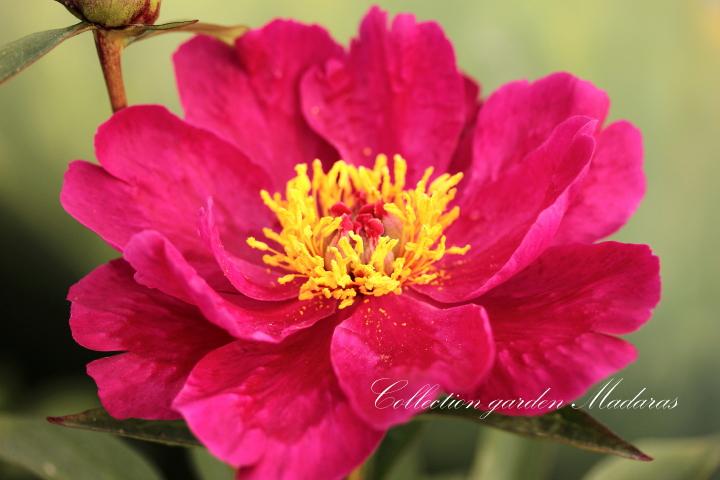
159	171
612	189
554	322
397	91
249	94
400	345
163	338
160	265
520	116
517	118
276	410
510	222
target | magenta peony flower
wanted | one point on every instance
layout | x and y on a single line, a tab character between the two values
263	319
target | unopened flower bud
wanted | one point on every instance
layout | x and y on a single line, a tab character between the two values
116	13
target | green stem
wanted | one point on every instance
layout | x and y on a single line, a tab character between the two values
109	47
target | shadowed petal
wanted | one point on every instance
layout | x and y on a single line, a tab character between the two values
463	158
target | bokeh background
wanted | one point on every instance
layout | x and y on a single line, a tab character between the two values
658	59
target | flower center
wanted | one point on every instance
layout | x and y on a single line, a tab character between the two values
355	230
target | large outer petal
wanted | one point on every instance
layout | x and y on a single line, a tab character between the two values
157	173
249	94
511	221
398	91
160	265
554	323
163	339
519	116
397	338
277	410
612	189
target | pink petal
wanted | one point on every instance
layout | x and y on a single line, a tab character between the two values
511	221
520	116
398	91
554	322
277	410
160	265
102	203
612	190
164	339
463	157
250	278
159	171
249	94
396	338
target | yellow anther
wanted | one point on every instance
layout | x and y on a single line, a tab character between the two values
258	245
343	265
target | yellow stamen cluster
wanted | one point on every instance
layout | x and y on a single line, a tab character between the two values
340	265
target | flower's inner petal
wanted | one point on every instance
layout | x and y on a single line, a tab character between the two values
354	230
397	90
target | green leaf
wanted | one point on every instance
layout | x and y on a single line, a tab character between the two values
226	33
54	453
135	33
208	467
675	459
20	54
392	448
568	425
168	432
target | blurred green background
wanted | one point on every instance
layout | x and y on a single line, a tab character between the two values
659	60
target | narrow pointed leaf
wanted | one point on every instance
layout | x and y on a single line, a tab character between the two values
226	33
20	54
697	458
58	454
136	33
168	432
568	425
